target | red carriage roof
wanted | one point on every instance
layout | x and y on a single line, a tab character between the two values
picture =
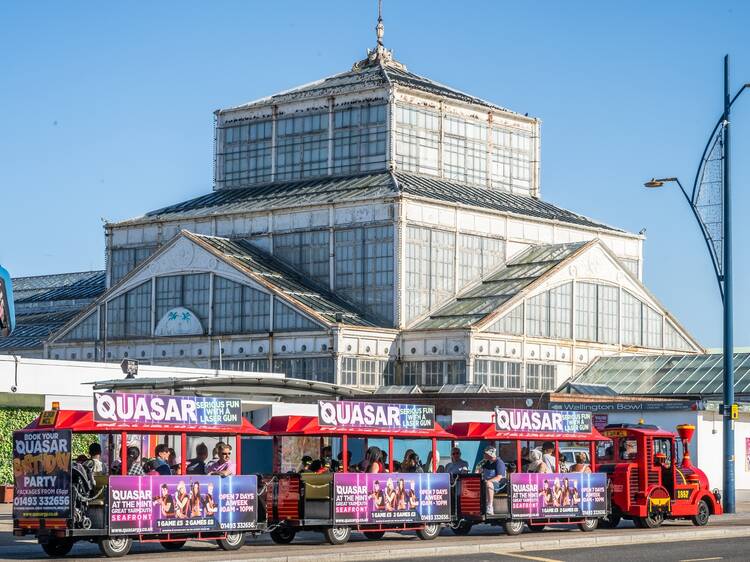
82	421
308	425
488	431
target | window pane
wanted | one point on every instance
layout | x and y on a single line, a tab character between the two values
586	311
607	314
561	311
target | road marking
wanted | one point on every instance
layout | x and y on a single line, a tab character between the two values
537	558
701	559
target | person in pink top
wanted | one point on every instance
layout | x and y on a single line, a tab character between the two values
224	466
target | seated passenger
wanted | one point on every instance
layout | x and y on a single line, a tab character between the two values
305	464
411	463
494	473
225	465
160	462
326	459
548	455
580	465
428	465
536	463
174	462
95	455
374	460
340	463
197	465
457	464
134	462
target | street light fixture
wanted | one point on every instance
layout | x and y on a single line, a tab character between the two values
716	227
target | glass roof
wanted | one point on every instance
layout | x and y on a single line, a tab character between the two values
695	375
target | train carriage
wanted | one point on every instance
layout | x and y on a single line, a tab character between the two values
335	503
60	500
531	498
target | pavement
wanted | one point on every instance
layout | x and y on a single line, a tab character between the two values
484	541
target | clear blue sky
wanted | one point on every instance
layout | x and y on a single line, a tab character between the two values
106	110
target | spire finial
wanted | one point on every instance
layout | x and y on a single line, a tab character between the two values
379	27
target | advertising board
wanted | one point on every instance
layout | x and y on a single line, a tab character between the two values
375	415
171	504
548	421
42	472
137	409
385	498
570	494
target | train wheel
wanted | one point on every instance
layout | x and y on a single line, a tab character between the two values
513	528
232	541
283	535
701	515
463	528
429	532
651	521
57	547
338	535
588	525
173	545
375	535
114	547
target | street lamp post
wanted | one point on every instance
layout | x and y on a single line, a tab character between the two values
717	233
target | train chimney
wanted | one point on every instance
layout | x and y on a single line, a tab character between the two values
686	432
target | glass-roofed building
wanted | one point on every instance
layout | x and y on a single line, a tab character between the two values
374	228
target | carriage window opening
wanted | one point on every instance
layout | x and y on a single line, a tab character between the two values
628	449
605	451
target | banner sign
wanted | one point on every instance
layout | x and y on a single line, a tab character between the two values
655	405
138	409
375	415
42	470
172	504
569	494
547	421
390	498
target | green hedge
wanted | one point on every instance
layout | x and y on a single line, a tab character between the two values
13	419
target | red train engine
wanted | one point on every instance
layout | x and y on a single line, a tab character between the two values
646	483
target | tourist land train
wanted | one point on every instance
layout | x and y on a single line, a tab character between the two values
637	472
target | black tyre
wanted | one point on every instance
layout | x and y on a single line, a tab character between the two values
462	529
375	535
232	541
338	535
513	527
173	545
283	535
651	521
588	525
57	547
702	515
115	547
429	532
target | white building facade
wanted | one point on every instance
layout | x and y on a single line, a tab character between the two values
374	228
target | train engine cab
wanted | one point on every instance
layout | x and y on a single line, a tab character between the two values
646	481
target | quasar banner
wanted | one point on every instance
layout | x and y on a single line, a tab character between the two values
162	409
391	498
375	415
42	467
547	421
171	504
570	494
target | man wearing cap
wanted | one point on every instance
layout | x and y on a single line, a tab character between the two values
494	473
457	464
